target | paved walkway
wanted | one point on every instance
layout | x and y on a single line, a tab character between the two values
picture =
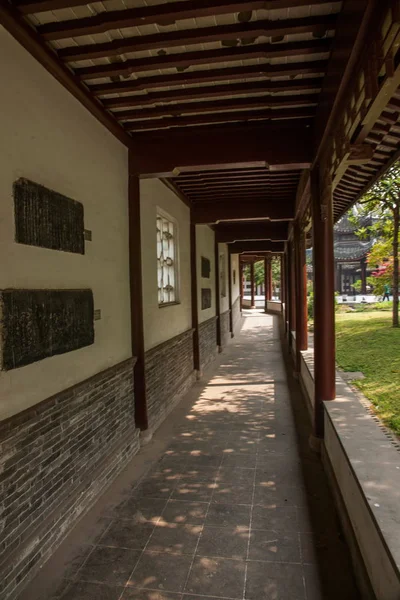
234	505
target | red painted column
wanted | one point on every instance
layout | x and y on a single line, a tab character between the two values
270	288
265	284
252	302
283	280
301	293
287	286
195	313
217	295
135	268
292	299
230	293
241	283
324	307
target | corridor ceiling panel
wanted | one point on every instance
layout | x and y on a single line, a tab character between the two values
157	66
238	185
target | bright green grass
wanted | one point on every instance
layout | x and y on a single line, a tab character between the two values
366	342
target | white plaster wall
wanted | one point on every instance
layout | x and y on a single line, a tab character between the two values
205	240
236	285
224	300
163	323
48	137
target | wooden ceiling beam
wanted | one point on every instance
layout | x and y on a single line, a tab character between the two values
214	90
283	144
261	103
212	197
316	67
221	118
248	209
161	14
238	185
201	35
227	233
189	185
201	57
216	173
256	246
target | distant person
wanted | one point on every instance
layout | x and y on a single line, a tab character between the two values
386	293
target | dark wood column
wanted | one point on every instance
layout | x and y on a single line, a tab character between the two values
324	308
252	301
265	284
286	273
217	295
135	273
230	293
270	287
292	291
241	283
283	280
195	311
301	293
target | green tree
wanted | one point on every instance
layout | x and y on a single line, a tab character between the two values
382	202
259	273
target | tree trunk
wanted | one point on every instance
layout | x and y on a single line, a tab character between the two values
396	266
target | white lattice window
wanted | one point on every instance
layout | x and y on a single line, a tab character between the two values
167	259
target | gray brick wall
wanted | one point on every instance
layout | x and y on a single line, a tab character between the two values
169	374
208	342
55	459
225	333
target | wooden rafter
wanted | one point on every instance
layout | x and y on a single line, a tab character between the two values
203	35
316	67
201	57
160	14
215	90
221	118
279	102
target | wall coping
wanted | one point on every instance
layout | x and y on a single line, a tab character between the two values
374	461
373	456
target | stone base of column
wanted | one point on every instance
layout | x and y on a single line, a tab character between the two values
315	443
145	437
199	374
220	349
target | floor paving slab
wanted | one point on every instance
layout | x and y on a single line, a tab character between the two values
226	502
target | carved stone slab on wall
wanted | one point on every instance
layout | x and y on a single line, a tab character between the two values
205	298
47	219
36	324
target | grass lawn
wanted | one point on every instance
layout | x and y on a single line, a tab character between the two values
366	342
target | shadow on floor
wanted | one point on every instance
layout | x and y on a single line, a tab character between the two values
227	501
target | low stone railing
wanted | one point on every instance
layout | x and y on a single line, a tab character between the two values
362	460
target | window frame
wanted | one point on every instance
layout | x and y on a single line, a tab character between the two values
162	214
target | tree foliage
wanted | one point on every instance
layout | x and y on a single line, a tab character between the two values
382	203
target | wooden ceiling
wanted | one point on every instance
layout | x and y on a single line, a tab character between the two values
156	66
238	185
230	99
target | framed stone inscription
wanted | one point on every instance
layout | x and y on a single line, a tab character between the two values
36	324
47	219
205	298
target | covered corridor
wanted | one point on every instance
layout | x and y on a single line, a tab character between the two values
150	150
232	504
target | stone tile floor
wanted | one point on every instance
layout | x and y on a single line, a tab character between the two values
236	507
